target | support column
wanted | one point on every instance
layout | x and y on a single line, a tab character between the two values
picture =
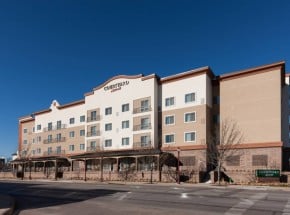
85	161
56	168
136	164
71	168
159	168
101	163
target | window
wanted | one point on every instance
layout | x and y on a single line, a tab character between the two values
25	130
108	127
216	100
125	107
33	129
58	150
38	150
82	118
72	121
82	146
93	144
82	132
33	140
125	141
58	124
169	120
49	138
39	139
49	150
71	134
144	105
24	141
145	123
49	126
58	137
169	101
145	141
190	97
108	143
189	137
125	124
108	111
71	147
93	131
93	116
38	127
169	138
189	117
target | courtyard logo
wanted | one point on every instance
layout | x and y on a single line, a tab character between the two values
115	87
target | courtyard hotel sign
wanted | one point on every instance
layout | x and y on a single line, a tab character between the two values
117	86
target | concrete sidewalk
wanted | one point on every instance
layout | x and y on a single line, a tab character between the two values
7	204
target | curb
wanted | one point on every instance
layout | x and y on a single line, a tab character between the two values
7	205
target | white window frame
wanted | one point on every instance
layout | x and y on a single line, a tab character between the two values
106	143
82	118
188	132
173	115
125	107
71	120
71	148
168	135
190	113
169	99
71	134
107	124
82	133
186	102
108	111
127	143
125	122
82	146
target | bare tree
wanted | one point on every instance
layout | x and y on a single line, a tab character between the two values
223	144
24	157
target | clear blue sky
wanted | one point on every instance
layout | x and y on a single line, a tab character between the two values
54	49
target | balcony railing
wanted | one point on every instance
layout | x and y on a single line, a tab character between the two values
54	140
142	145
142	109
94	148
93	119
93	134
54	153
53	128
142	127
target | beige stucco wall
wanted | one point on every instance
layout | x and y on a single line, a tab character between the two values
254	102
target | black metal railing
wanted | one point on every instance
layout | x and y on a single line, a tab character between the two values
142	109
142	145
93	148
93	134
53	128
53	153
93	119
54	140
142	127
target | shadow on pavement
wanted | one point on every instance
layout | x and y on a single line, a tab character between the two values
39	195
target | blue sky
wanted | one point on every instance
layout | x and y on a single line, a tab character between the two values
56	49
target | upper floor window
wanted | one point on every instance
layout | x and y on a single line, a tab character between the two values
49	126
25	130
108	111
82	118
24	141
58	137
82	132
39	139
189	117
71	134
125	141
93	115
189	136
82	146
58	124
190	97
169	138
144	105
145	123
71	147
125	124
169	120
125	107
38	127
169	101
108	143
108	127
72	121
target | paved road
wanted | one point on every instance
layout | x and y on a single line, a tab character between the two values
92	198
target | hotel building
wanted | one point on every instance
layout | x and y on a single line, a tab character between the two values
139	127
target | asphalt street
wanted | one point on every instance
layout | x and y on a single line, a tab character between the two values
99	198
